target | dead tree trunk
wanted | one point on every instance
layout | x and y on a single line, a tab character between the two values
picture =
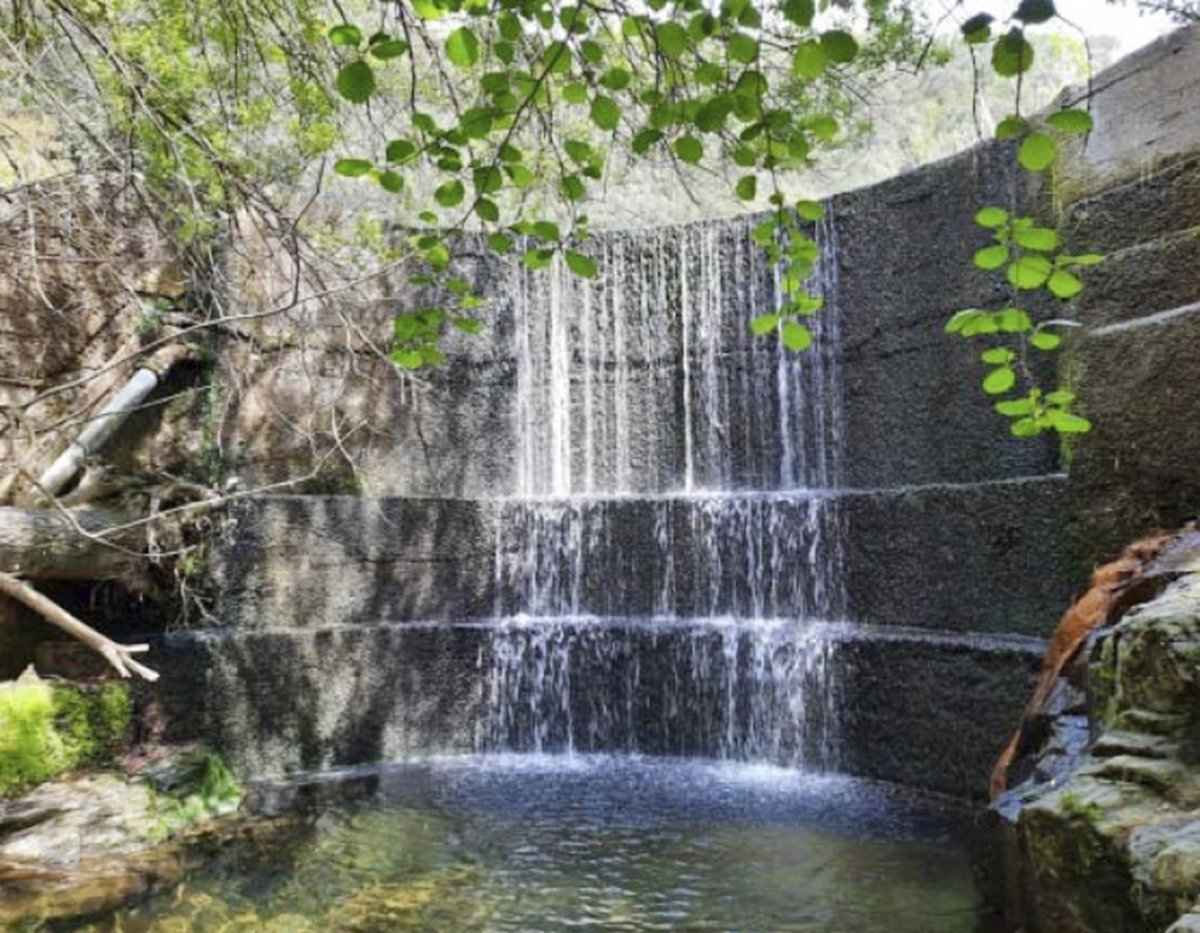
44	544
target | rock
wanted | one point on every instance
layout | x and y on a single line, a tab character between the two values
86	845
1113	844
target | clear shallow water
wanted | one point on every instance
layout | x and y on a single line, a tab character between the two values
544	844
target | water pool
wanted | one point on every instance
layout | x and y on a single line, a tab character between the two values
549	844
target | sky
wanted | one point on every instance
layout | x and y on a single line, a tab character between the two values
1131	29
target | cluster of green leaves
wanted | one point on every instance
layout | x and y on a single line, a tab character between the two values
686	80
1028	254
220	99
794	254
416	333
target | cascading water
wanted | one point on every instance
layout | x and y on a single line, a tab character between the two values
666	574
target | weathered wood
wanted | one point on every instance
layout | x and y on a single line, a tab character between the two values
42	544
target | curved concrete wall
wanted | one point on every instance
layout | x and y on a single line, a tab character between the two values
951	527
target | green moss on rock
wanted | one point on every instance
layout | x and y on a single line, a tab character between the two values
48	729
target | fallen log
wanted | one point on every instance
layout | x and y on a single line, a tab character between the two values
46	544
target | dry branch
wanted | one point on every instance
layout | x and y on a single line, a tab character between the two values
118	655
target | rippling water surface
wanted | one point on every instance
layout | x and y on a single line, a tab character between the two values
543	844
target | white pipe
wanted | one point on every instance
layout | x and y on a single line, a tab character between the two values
104	425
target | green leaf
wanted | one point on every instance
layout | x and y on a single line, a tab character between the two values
487	179
616	79
500	243
689	149
747	187
796	336
355	82
1014	321
1071	121
409	359
1044	340
462	47
468	325
839	47
960	320
998	356
992	218
1038	152
671	37
1016	407
823	126
400	150
1066	423
546	230
711	117
450	194
1035	11
573	188
645	139
538	258
429	9
742	48
1029	272
580	264
352	168
809	60
800	12
810	210
575	93
1000	380
605	113
978	28
710	73
764	324
392	182
487	210
389	49
1026	427
1012	54
1060	397
1011	127
1085	259
346	34
1042	239
1064	285
991	257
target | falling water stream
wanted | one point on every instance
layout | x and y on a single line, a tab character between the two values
673	475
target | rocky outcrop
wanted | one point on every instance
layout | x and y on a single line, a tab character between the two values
89	843
1105	836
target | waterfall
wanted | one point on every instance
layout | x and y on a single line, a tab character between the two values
666	571
716	688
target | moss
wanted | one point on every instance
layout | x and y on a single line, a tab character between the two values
1072	805
46	730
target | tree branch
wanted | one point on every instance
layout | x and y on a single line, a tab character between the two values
118	655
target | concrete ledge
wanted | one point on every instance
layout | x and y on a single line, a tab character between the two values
1139	468
932	711
907	706
982	557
